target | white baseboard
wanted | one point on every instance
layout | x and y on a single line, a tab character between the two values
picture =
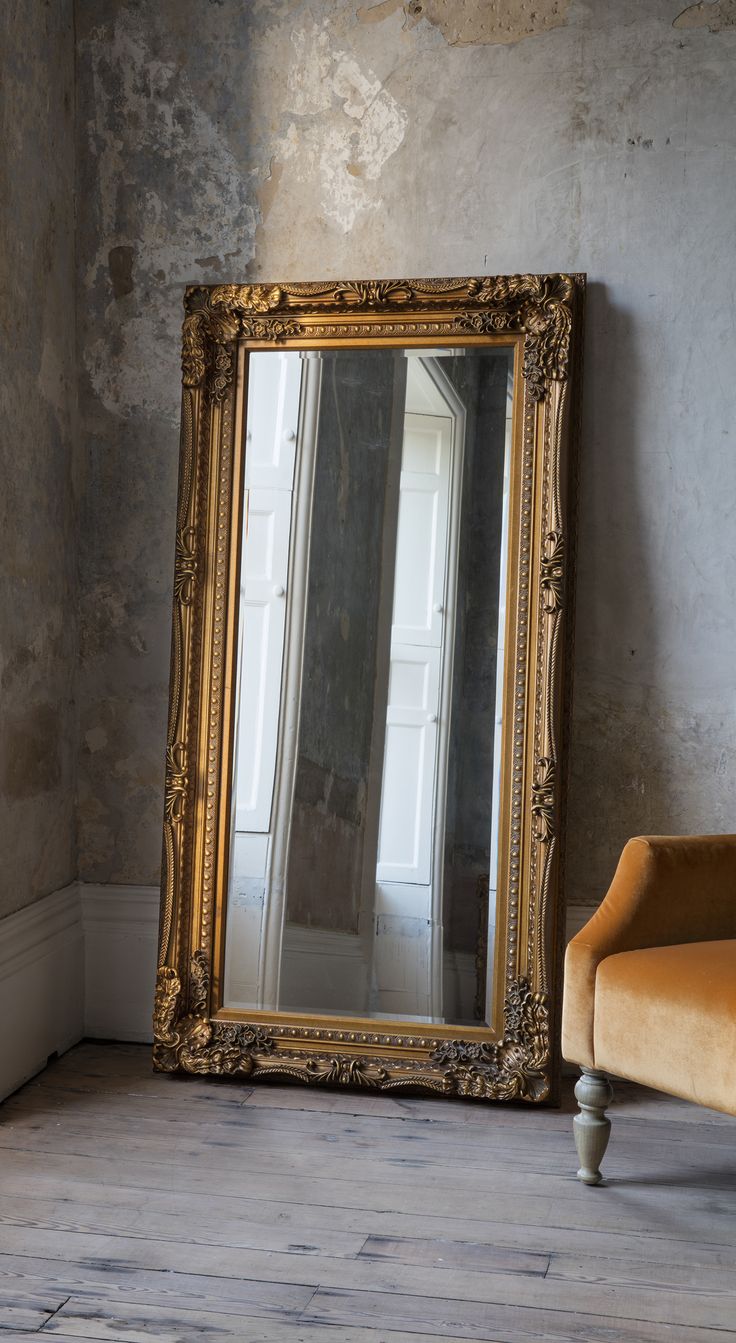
82	962
41	985
120	935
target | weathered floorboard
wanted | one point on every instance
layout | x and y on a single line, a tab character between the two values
493	1323
135	1206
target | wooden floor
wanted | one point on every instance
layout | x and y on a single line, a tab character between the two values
136	1207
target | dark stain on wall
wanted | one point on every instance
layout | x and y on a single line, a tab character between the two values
120	262
31	752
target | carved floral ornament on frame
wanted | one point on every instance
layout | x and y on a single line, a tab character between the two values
192	1034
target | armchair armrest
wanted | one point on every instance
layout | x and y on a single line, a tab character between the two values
666	890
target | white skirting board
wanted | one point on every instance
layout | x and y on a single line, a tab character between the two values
41	985
82	962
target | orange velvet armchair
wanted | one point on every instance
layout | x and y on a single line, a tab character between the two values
650	983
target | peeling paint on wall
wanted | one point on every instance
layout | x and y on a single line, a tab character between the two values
377	13
715	17
466	23
148	137
348	125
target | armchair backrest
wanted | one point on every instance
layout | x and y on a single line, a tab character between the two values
668	889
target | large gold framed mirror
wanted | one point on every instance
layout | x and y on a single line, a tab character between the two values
366	752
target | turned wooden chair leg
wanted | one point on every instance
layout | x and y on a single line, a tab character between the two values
593	1093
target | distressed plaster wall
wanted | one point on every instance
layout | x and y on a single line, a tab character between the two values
221	141
38	639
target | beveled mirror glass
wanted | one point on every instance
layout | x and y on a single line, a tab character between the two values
366	738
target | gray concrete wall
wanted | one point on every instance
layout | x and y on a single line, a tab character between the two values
293	139
38	634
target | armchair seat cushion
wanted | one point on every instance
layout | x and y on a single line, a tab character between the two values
666	1017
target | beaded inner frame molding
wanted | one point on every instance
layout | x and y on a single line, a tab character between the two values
516	1058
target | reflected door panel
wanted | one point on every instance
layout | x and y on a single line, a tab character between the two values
272	422
421	549
272	419
263	614
405	831
367	688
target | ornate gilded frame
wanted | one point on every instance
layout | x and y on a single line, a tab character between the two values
540	316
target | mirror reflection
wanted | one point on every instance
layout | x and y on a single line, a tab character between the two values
364	825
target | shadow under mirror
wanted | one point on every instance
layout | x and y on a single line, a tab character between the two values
364	816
